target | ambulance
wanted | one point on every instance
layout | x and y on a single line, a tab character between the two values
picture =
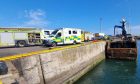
63	36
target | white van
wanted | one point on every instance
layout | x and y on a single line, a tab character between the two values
45	33
63	36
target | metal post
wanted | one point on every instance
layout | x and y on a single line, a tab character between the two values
100	25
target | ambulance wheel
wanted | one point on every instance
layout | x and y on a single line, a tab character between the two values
54	44
74	42
21	43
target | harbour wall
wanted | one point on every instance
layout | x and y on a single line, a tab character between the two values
63	66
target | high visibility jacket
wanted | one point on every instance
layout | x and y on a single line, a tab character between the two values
0	82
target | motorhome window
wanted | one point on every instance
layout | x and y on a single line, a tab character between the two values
47	32
74	32
69	32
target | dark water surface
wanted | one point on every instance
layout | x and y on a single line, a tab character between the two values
114	72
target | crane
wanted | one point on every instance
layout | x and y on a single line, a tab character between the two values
123	26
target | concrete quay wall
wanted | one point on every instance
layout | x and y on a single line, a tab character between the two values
62	66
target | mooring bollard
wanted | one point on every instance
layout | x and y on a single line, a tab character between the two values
3	68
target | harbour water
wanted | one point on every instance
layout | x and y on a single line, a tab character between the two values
114	72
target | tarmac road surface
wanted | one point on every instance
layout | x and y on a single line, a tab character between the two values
14	51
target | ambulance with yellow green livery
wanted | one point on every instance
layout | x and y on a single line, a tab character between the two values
63	36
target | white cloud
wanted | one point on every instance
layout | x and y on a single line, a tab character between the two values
35	18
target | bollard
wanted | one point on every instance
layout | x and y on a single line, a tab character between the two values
3	68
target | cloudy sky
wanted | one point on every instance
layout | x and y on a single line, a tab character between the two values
85	14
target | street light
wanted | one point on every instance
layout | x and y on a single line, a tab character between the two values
101	25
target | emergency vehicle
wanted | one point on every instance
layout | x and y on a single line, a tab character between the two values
63	36
21	37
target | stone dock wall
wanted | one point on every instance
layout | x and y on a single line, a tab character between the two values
61	66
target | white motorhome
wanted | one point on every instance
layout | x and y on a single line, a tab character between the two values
63	36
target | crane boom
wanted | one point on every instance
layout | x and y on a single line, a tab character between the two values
124	33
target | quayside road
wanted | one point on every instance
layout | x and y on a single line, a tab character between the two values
14	51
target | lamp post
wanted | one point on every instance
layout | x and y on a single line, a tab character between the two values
101	25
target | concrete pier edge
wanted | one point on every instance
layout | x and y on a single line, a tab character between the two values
81	73
60	67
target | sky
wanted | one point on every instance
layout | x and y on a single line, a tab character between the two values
84	14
